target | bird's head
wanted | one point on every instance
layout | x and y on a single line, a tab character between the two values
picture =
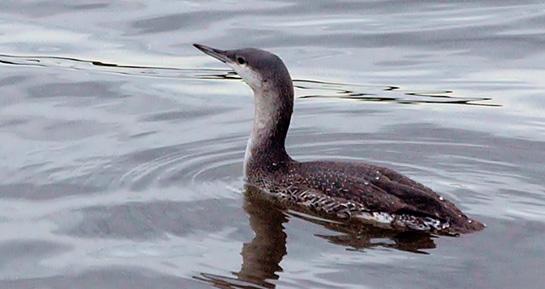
260	69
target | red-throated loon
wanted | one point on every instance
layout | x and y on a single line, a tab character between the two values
352	191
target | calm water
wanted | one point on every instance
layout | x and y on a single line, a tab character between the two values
122	145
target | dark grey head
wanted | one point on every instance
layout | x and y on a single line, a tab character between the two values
270	80
260	69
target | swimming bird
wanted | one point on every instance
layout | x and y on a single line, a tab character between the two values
352	191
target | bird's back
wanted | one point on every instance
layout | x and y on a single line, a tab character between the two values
362	192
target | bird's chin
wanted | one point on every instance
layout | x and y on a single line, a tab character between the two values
250	77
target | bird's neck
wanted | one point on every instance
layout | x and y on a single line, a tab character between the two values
266	147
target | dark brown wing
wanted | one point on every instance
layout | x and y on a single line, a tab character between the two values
382	189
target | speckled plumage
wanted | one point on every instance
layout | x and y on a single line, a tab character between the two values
362	193
351	191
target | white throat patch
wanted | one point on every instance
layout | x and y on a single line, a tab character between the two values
249	76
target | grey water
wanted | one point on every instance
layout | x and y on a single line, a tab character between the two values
121	146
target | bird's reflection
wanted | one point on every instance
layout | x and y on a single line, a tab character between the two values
261	256
357	237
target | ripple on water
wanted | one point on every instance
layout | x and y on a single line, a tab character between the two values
145	220
23	253
305	88
189	164
103	89
195	166
114	277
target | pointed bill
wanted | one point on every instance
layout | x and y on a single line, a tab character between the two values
219	54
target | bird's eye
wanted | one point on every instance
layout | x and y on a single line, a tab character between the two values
241	60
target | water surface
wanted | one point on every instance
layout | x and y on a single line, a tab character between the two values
122	145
